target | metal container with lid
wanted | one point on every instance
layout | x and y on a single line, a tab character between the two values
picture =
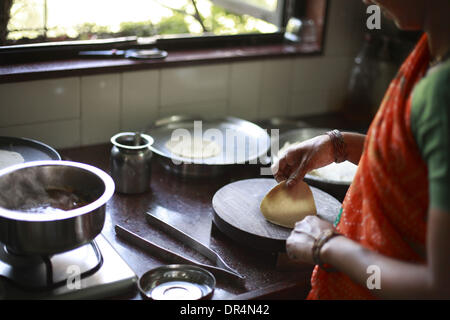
131	162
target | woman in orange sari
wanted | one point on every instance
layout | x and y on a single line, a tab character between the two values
392	236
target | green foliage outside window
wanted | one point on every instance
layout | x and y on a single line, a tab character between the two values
28	23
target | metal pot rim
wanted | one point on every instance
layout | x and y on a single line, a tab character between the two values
148	138
22	216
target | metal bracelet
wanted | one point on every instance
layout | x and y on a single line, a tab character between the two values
318	244
339	146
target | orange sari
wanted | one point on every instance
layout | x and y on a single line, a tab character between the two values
386	205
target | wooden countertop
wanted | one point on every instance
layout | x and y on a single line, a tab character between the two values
189	205
81	66
189	202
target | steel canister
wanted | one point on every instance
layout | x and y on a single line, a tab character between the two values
131	162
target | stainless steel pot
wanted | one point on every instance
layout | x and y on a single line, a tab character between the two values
52	232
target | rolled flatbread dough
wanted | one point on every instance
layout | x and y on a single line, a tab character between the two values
285	206
193	147
9	158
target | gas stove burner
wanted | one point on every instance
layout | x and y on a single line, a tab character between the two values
46	272
93	270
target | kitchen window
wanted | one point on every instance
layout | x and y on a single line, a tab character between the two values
35	21
32	31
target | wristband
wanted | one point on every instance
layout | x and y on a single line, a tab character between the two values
339	146
318	244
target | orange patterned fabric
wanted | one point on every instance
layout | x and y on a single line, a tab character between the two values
386	205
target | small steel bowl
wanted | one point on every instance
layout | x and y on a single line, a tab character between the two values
177	282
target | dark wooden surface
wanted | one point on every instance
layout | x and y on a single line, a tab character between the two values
88	66
237	213
186	202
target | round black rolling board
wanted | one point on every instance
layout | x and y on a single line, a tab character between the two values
236	213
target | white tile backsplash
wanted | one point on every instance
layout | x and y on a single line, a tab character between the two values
36	101
308	74
276	77
100	108
319	72
305	103
207	109
193	84
140	99
75	111
273	106
245	89
58	134
275	88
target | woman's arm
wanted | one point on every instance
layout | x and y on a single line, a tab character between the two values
355	145
399	279
315	153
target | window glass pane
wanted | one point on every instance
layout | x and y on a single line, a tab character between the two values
53	20
26	19
265	4
267	10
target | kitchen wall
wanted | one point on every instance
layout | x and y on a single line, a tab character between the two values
86	110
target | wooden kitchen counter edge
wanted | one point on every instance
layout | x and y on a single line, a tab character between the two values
176	58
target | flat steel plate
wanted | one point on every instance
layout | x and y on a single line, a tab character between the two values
29	149
241	141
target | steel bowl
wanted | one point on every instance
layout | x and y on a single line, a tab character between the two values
51	232
177	282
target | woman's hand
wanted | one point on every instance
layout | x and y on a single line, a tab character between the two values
301	240
302	158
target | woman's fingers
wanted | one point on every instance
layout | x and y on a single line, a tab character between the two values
279	177
297	175
286	165
292	157
281	169
275	168
292	166
277	173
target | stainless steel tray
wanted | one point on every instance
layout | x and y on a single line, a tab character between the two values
254	149
282	124
30	150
